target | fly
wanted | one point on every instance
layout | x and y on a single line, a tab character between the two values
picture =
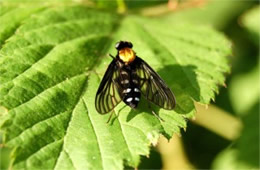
126	78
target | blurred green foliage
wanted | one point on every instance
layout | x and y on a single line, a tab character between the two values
243	153
4	155
250	21
214	13
240	22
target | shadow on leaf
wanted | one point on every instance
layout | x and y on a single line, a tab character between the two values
183	82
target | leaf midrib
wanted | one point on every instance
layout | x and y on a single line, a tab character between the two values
94	130
95	64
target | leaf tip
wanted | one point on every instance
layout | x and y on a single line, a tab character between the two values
153	137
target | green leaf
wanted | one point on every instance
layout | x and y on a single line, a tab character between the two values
52	64
16	15
240	155
250	137
228	160
251	21
244	91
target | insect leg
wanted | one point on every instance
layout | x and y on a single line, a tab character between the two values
110	117
156	115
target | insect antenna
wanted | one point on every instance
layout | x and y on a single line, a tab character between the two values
111	56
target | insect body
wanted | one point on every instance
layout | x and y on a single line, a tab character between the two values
126	78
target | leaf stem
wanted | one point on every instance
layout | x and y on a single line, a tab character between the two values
172	6
218	121
173	153
121	6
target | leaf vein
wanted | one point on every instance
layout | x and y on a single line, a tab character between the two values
58	83
70	158
68	125
13	32
28	68
30	127
42	147
60	24
124	137
94	130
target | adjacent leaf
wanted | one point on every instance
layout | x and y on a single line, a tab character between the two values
244	91
214	13
251	21
53	63
240	155
227	159
125	5
5	159
244	88
250	137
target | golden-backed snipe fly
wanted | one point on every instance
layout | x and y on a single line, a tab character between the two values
126	78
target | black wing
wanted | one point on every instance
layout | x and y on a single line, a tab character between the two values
107	96
153	87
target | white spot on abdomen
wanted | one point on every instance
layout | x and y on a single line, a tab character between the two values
136	90
129	99
127	90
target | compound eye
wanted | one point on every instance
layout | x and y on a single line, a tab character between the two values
130	45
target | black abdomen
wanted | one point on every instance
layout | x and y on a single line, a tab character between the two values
132	98
130	87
